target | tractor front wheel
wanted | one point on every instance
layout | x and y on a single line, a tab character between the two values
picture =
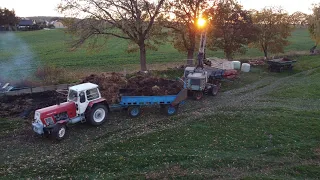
59	131
98	115
197	95
215	89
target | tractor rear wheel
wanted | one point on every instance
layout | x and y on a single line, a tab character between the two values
59	131
98	115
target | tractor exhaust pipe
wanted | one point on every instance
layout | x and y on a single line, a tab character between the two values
58	101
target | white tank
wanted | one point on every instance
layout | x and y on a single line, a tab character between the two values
236	64
227	65
245	67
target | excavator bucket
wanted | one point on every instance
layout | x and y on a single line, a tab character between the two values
183	94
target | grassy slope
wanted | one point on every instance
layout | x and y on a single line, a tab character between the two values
268	129
50	47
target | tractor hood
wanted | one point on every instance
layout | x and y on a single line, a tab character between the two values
196	76
69	107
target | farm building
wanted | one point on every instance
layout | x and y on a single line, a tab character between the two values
58	24
26	24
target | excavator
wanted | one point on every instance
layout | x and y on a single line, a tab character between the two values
203	79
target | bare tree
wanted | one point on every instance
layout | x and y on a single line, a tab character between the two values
127	19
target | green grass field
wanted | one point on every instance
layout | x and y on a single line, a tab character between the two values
50	48
262	126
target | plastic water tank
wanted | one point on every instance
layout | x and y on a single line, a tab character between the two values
227	65
236	64
245	67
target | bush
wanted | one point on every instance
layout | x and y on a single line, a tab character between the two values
51	75
25	83
51	26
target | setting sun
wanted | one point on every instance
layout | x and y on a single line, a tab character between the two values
201	22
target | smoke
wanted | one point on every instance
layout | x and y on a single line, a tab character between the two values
16	58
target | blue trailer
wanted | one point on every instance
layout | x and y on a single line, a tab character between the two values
169	104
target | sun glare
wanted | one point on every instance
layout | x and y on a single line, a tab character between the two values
201	22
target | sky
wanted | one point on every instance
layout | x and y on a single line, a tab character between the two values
24	8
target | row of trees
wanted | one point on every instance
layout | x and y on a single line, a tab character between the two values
8	18
314	25
9	21
230	27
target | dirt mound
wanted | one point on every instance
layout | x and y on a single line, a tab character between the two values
24	105
140	85
109	84
151	86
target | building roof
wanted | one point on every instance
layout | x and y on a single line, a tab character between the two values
83	87
25	23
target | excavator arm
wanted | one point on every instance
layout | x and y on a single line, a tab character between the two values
201	53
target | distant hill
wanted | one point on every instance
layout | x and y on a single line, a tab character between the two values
44	18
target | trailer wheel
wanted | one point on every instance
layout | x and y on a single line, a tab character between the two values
215	90
134	111
197	95
290	68
59	132
281	69
171	110
98	115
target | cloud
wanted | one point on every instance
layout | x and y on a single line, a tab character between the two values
289	5
25	8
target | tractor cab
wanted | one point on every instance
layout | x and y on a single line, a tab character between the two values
196	81
187	71
82	95
196	78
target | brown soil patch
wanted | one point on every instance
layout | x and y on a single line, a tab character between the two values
109	86
139	85
12	106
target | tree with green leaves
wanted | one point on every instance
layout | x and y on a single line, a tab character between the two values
182	16
133	20
274	27
314	24
232	28
8	18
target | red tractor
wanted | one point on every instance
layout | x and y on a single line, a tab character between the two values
84	104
